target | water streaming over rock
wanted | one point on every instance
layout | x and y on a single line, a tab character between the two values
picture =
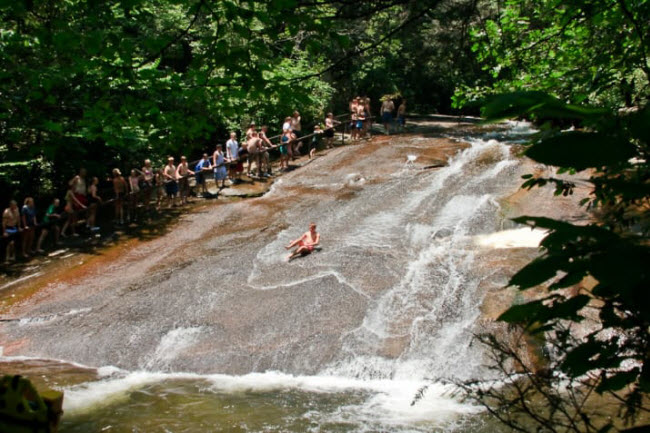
385	311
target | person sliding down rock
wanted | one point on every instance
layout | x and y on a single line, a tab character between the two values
305	243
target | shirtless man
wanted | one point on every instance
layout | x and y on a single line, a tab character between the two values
182	174
330	124
79	187
361	121
171	181
387	108
120	188
10	228
267	145
254	145
250	131
306	243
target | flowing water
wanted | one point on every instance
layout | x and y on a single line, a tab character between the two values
366	335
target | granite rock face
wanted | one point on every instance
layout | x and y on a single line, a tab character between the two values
397	289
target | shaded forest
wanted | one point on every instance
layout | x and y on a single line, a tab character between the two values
107	84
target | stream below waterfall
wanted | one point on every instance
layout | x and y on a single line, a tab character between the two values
208	329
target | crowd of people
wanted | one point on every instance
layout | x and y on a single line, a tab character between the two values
148	188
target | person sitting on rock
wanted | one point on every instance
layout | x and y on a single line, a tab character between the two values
306	243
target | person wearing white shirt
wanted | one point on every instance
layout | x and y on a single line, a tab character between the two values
235	166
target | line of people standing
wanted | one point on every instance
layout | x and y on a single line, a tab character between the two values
147	186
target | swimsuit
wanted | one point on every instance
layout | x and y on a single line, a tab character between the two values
283	147
220	172
15	215
148	177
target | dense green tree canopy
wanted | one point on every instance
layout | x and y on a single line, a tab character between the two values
112	82
584	51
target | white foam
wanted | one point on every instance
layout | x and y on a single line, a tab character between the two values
48	318
399	407
515	238
389	400
172	344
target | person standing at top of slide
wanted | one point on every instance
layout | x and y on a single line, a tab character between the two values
296	128
286	130
171	181
79	187
201	170
10	227
254	147
330	124
354	106
232	157
266	144
252	128
367	125
183	173
387	108
219	166
361	120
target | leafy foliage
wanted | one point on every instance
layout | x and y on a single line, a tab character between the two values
615	251
593	51
113	82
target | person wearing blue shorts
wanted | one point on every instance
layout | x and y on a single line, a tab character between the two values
361	119
284	151
219	166
200	171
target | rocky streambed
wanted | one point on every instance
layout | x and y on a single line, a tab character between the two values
416	248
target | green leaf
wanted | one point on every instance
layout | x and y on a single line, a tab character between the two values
53	126
540	104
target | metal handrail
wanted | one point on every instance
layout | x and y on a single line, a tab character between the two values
149	191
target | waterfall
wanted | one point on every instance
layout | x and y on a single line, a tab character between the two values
381	319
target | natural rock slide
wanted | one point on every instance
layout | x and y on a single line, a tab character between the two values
413	262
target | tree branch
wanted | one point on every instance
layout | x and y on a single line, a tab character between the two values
178	37
370	47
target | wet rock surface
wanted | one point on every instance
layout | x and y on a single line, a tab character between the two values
399	280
